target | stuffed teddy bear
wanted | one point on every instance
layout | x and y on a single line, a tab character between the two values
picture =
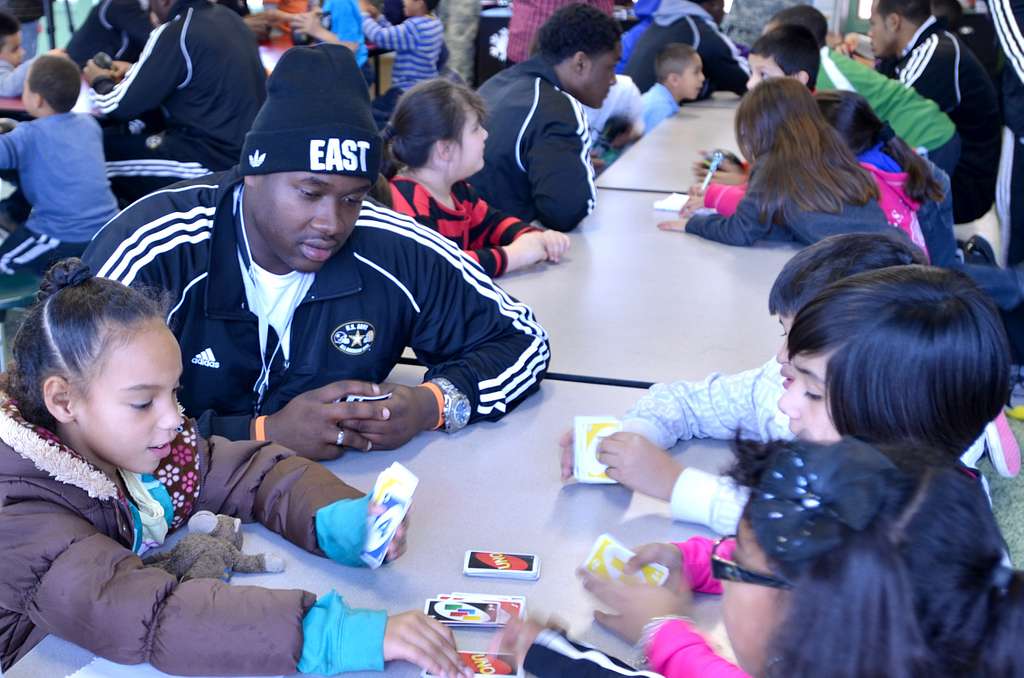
212	549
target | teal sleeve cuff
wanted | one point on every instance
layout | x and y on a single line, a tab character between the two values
341	530
337	638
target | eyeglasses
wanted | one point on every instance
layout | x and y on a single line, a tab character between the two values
724	569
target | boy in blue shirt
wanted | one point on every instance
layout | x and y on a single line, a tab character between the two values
339	22
680	77
417	42
59	158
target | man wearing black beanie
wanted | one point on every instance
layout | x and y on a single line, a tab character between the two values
292	292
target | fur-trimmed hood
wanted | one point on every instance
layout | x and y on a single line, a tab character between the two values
49	455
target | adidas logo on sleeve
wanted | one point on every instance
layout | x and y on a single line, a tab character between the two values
206	359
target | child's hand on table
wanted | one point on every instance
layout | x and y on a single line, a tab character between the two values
414	637
663	554
639	464
633	605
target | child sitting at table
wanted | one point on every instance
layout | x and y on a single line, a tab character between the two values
13	67
899	571
417	42
59	161
346	28
98	465
748	404
437	134
680	78
804	185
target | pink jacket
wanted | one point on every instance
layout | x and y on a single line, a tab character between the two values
677	650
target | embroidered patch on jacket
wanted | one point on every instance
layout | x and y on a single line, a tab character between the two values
354	337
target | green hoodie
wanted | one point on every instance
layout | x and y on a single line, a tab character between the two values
915	119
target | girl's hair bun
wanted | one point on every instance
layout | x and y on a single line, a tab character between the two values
65	273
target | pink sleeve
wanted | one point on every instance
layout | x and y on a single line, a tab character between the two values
723	198
696	553
679	651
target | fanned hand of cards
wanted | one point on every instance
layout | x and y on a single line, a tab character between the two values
480	610
496	564
393	493
486	664
608	559
587	435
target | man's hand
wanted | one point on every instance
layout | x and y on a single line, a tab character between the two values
639	464
309	423
390	423
92	72
413	637
633	605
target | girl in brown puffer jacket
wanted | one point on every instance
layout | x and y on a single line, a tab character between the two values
97	465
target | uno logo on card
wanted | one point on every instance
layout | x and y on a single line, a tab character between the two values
490	665
500	561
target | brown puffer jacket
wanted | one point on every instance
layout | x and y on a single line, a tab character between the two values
66	535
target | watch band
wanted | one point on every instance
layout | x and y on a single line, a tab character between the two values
456	405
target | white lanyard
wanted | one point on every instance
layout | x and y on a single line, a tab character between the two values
245	262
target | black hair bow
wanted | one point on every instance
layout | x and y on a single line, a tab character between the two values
811	495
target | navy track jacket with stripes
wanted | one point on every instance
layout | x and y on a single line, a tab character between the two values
393	284
537	157
1008	16
202	70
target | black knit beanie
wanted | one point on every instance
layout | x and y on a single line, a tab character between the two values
316	118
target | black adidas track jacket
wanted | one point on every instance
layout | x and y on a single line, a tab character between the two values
393	284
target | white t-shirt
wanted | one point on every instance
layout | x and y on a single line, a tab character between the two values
275	297
623	100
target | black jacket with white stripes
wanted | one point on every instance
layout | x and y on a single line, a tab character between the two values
202	70
394	283
118	27
1008	16
940	68
552	655
537	157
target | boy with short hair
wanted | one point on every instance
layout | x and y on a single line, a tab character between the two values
59	158
417	42
13	67
536	160
786	51
680	78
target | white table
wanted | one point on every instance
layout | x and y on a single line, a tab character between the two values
491	486
662	160
632	302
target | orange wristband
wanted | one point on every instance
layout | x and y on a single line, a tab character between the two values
436	390
260	428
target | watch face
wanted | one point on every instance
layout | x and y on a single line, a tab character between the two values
461	412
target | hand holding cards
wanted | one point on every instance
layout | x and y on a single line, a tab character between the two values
588	432
608	559
393	493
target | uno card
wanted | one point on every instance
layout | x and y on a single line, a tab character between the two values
499	564
362	398
454	611
393	493
588	432
486	664
608	559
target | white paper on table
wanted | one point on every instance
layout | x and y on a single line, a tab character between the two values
673	203
101	668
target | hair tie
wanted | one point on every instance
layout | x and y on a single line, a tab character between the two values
812	495
388	133
63	274
1001	577
886	134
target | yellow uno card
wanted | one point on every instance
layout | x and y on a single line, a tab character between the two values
608	559
588	432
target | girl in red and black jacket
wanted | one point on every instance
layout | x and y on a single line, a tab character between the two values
436	134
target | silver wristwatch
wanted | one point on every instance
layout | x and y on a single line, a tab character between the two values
456	405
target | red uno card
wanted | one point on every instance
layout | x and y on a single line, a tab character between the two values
501	564
486	664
